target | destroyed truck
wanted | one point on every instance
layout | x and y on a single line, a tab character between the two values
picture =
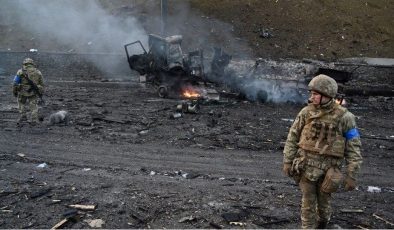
165	66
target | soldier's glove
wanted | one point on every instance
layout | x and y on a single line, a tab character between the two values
350	183
287	169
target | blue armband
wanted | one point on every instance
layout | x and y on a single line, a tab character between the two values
352	133
17	80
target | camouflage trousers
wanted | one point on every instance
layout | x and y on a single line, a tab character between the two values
316	205
28	103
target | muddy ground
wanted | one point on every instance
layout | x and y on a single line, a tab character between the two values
125	154
141	168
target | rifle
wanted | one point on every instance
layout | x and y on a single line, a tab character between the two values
34	88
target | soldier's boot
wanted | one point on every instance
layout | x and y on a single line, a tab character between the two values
34	122
322	224
34	118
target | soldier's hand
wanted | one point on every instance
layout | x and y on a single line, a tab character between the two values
350	183
287	169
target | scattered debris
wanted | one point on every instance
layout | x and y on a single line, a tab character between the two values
381	218
345	210
189	107
190	175
186	219
266	34
286	119
374	189
215	225
176	115
143	132
96	223
83	207
55	201
60	224
238	224
42	165
59	117
40	192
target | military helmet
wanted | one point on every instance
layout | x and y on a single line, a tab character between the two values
324	85
28	61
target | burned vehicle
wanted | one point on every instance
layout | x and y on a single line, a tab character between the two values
167	67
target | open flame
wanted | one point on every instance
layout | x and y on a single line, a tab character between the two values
190	93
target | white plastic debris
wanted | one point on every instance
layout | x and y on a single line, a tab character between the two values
33	50
152	173
96	223
86	169
286	119
176	115
89	43
43	165
143	132
374	189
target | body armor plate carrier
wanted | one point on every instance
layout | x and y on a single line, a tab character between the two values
322	134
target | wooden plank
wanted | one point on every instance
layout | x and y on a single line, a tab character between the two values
61	223
83	207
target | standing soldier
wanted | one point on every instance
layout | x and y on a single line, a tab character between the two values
321	137
28	87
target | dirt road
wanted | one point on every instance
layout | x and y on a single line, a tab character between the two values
221	167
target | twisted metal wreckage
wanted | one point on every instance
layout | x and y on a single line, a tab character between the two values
180	75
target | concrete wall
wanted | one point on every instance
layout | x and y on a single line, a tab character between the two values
68	66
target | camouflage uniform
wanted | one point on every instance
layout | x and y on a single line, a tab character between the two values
321	137
26	95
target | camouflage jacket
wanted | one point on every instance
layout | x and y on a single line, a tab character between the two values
347	124
21	85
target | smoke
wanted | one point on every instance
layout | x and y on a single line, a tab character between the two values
271	91
79	26
268	81
203	32
198	30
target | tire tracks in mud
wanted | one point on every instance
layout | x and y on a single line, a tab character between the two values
231	163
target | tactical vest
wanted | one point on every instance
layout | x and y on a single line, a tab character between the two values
321	133
25	88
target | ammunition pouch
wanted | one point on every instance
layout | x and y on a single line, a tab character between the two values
332	180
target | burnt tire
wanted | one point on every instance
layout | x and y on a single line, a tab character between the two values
163	91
